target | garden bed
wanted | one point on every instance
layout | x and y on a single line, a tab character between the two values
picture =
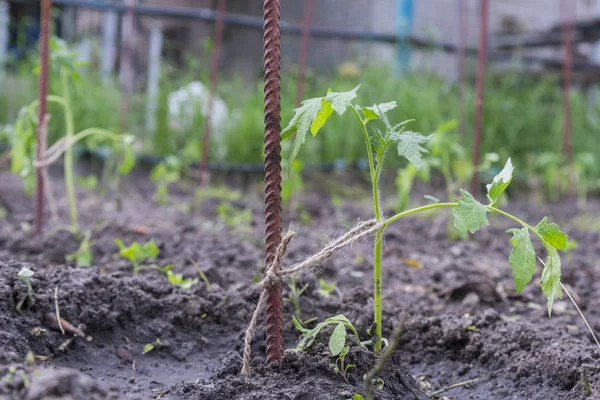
467	325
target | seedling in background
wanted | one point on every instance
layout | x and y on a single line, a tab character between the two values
83	255
179	280
23	140
234	217
138	253
164	174
148	347
469	214
294	299
325	288
25	274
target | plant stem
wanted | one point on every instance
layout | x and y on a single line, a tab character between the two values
68	161
377	291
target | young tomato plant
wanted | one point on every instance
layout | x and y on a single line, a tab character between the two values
23	140
138	253
469	214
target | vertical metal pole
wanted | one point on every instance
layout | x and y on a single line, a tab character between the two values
272	67
405	19
306	25
4	20
214	78
154	58
110	21
463	37
126	74
481	64
42	97
567	31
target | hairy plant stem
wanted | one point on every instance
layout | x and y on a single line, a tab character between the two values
377	291
68	161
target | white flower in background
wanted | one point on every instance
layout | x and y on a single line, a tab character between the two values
194	97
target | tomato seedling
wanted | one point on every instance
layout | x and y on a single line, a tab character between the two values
469	214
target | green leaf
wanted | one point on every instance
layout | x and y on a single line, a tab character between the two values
150	250
340	101
522	257
303	118
321	118
25	273
409	146
551	277
431	198
148	348
470	214
358	397
301	123
127	162
500	182
377	110
299	326
337	341
551	234
446	126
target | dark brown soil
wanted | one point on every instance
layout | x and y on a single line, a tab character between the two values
466	322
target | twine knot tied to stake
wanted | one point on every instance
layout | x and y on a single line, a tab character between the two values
275	274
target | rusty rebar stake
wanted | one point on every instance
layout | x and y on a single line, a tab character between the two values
42	94
214	78
272	66
481	64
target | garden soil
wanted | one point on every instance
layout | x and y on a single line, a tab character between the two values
469	334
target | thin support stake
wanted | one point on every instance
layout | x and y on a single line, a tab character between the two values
566	29
126	74
481	64
303	61
463	23
272	66
42	95
214	78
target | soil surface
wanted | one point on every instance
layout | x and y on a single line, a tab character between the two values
468	336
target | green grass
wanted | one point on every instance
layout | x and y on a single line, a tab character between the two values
522	116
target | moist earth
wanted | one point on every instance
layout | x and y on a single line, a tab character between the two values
469	335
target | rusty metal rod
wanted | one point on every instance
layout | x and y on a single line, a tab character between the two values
272	66
303	61
481	64
214	78
43	109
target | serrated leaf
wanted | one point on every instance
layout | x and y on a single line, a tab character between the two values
409	146
321	118
522	257
551	234
470	214
551	277
377	110
500	182
301	123
340	101
431	198
337	341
